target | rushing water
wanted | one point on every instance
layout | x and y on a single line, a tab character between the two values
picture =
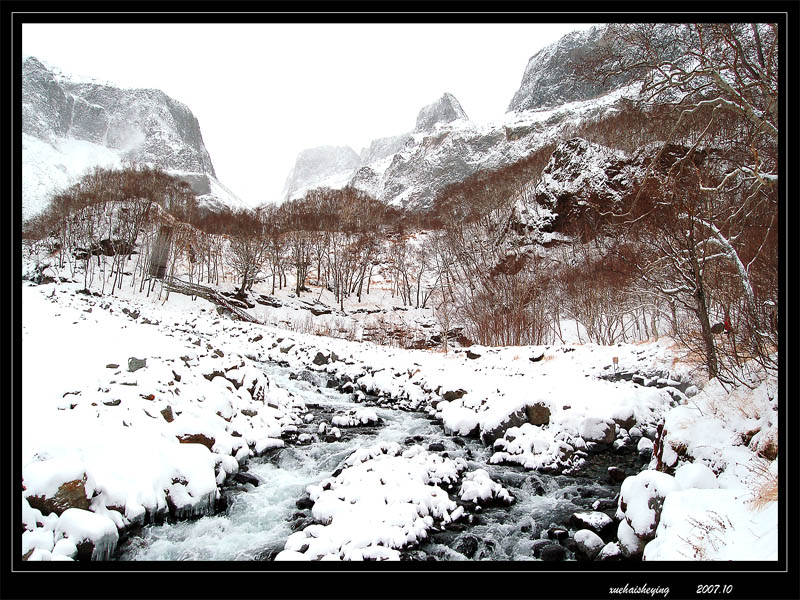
258	519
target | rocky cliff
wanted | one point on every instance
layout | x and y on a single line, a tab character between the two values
69	127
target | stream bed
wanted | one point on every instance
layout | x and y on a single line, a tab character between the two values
258	519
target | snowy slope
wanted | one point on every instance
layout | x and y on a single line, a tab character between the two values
50	166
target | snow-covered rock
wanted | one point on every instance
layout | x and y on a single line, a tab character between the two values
598	430
588	542
641	500
91	533
478	487
695	475
384	499
598	522
355	417
315	166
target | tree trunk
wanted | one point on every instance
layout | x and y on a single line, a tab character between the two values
705	328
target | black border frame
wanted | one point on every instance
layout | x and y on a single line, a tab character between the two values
384	580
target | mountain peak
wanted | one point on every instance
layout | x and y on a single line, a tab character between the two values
444	110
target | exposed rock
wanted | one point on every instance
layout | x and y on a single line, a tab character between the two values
197	438
449	396
304	502
557	533
71	494
134	364
616	474
466	545
242	477
538	413
167	414
624	417
537	357
538	545
553	553
515	419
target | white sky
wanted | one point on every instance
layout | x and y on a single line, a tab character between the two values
264	92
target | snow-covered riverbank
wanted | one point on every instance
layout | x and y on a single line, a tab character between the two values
110	440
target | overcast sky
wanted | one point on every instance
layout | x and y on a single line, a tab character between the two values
264	92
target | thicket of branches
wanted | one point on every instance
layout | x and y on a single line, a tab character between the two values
707	226
691	251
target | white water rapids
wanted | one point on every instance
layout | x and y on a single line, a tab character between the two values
257	521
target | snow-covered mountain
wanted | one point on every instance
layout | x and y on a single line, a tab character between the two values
70	127
410	169
314	167
445	110
445	147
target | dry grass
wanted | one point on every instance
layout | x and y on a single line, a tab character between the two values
707	532
764	484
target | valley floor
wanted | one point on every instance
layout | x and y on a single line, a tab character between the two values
135	411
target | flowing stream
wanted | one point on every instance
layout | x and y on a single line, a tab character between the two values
258	519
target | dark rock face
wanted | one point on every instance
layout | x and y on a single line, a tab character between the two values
242	477
515	419
445	110
167	414
557	533
548	79
539	545
552	75
451	395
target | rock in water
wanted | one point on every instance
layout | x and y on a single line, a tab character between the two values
553	553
